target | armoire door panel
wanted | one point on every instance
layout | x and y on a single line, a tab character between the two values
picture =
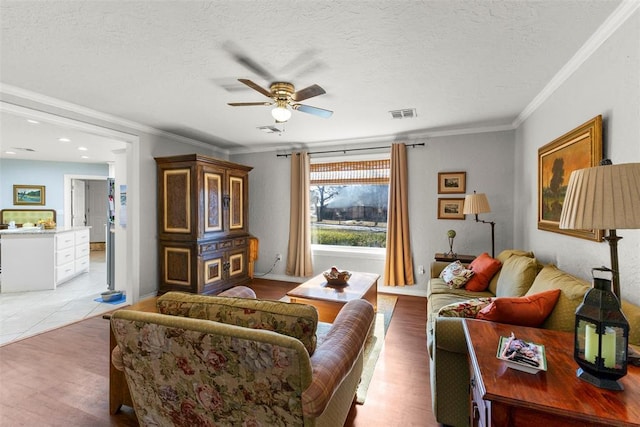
236	198
212	202
177	201
212	271
177	266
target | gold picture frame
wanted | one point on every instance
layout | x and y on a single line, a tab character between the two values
29	195
452	182
577	149
450	208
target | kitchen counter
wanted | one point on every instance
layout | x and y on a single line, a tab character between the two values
37	230
39	259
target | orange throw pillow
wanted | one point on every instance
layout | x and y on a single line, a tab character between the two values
484	268
531	310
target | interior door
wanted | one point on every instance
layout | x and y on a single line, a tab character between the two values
78	202
96	197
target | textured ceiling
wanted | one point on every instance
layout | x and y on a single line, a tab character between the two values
170	64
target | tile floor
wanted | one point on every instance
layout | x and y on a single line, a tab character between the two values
23	314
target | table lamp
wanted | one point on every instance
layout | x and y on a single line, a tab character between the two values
475	204
605	197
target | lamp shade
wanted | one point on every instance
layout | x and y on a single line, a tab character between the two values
602	197
476	203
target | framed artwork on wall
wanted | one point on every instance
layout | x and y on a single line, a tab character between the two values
28	195
577	149
452	182
450	208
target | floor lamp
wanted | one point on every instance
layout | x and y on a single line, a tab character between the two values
475	204
604	197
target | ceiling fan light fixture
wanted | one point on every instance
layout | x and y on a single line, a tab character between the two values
281	113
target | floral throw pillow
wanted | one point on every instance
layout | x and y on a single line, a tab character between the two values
467	309
455	275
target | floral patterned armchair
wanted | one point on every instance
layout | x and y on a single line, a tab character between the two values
218	361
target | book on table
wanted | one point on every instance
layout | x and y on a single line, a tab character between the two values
522	355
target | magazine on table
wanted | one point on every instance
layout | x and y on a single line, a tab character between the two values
522	355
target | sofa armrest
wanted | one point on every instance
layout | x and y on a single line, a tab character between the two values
437	267
336	355
448	334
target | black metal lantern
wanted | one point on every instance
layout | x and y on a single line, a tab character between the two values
601	336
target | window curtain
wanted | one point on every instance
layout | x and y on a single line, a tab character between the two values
398	266
299	252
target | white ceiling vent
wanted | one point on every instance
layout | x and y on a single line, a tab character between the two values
405	113
269	129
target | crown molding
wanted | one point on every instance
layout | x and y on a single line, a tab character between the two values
608	27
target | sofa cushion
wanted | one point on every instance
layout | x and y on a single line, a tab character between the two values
562	318
484	268
295	320
516	276
502	257
456	275
529	310
438	286
467	309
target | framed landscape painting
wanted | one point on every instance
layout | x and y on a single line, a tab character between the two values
450	208
452	182
28	195
578	149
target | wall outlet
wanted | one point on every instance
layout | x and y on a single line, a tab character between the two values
421	269
278	257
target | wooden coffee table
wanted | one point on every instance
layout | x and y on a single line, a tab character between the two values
329	300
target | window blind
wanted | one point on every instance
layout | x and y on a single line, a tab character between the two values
341	173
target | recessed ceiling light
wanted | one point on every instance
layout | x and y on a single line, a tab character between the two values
64	140
83	148
10	152
34	122
84	157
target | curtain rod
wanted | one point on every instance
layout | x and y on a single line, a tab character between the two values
421	144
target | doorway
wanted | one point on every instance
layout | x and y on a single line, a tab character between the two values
89	208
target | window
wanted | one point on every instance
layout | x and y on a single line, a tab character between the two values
349	203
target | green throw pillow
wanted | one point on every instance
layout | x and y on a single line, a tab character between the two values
516	276
572	289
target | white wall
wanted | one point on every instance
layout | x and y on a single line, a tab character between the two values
487	158
608	83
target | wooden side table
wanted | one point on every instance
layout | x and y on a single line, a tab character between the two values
465	259
501	396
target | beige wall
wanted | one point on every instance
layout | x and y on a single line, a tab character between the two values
608	83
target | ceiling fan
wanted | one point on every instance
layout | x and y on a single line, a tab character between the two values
284	95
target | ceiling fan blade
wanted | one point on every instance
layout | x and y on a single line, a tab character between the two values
308	92
248	104
242	58
313	110
256	87
254	66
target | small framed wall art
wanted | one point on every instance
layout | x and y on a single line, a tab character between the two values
28	195
450	208
452	182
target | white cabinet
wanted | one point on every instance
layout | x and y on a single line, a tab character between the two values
41	259
72	254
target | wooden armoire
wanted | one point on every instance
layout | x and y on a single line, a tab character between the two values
203	228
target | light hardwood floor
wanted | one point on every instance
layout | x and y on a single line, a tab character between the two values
60	378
